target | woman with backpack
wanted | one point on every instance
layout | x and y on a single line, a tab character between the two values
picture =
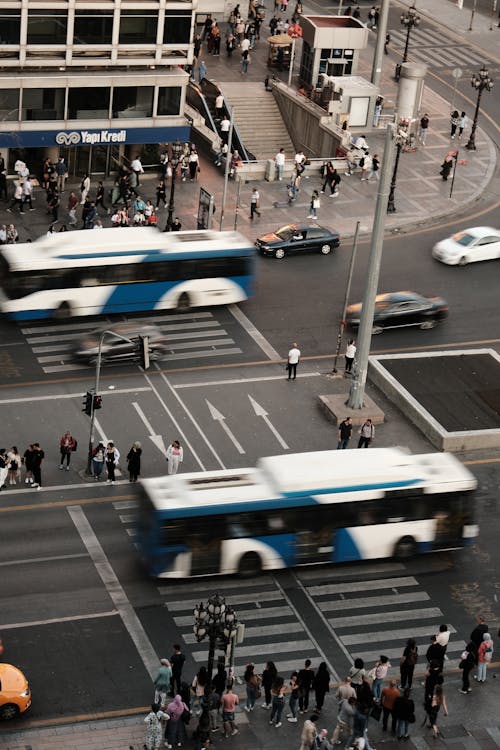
407	663
484	656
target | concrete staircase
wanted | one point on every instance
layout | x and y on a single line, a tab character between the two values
258	119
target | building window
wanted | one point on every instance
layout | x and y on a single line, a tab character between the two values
43	104
9	104
169	100
138	26
10	26
133	101
177	29
89	103
93	27
47	27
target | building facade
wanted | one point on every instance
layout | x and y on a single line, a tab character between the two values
96	82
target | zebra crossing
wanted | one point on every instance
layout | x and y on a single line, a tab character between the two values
426	46
191	335
369	617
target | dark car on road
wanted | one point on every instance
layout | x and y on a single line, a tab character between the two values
297	239
399	309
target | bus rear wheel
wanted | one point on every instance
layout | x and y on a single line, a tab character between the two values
405	548
63	312
184	303
250	565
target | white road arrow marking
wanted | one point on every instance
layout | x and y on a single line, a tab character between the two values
261	412
156	439
219	417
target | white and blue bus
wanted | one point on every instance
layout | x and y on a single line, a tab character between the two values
124	270
328	506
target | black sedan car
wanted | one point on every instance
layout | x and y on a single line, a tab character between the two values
297	239
399	309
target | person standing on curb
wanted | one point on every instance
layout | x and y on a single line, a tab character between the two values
345	432
389	695
454	123
293	361
366	434
407	663
477	634
315	204
112	457
423	129
268	677
37	461
162	682
278	691
254	203
229	702
175	456
349	355
154	729
305	679
279	160
404	714
484	657
177	663
67	445
134	461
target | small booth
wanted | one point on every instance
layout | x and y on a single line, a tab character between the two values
280	51
331	47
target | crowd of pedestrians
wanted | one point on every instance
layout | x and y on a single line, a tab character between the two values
367	695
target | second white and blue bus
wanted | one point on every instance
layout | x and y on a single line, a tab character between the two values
109	271
327	506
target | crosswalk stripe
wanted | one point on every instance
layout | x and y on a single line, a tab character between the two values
223	586
189	604
126	505
128	518
373	601
51	348
195	344
285	668
454	649
341	588
282	612
280	647
261	631
375	617
389	635
61	368
350	570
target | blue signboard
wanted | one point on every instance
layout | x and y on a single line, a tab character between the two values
94	136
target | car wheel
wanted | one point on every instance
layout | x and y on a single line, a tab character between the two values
426	324
279	253
463	261
9	711
326	249
250	565
376	329
184	303
63	312
405	548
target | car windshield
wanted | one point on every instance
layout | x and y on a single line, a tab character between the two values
462	238
285	233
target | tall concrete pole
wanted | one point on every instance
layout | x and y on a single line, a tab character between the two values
379	46
360	370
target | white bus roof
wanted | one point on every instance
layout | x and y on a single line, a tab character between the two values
327	476
66	247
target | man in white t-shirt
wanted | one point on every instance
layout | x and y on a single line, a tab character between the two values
293	361
279	160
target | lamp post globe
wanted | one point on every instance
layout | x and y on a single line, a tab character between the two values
216	621
480	81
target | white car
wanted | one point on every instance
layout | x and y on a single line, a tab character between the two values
469	246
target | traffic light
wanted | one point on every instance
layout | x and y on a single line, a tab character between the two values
87	403
97	402
143	348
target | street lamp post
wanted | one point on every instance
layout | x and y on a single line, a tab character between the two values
217	622
481	82
400	139
409	19
174	161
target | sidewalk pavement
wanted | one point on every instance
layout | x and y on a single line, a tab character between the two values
472	725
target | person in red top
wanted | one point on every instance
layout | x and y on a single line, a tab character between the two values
67	445
229	702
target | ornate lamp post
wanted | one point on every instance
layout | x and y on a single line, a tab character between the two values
174	161
400	139
217	622
480	81
409	19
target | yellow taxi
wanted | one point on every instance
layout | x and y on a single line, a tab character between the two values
15	694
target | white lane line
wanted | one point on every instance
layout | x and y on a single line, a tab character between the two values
144	419
253	332
219	417
238	381
115	590
390	635
374	617
193	420
73	618
305	627
29	560
176	424
348	586
99	429
58	396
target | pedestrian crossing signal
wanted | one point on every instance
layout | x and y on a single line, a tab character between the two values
87	403
97	402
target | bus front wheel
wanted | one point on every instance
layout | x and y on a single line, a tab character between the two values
250	565
184	303
405	548
63	312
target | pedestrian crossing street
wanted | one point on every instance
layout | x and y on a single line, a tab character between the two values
427	46
370	609
191	335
